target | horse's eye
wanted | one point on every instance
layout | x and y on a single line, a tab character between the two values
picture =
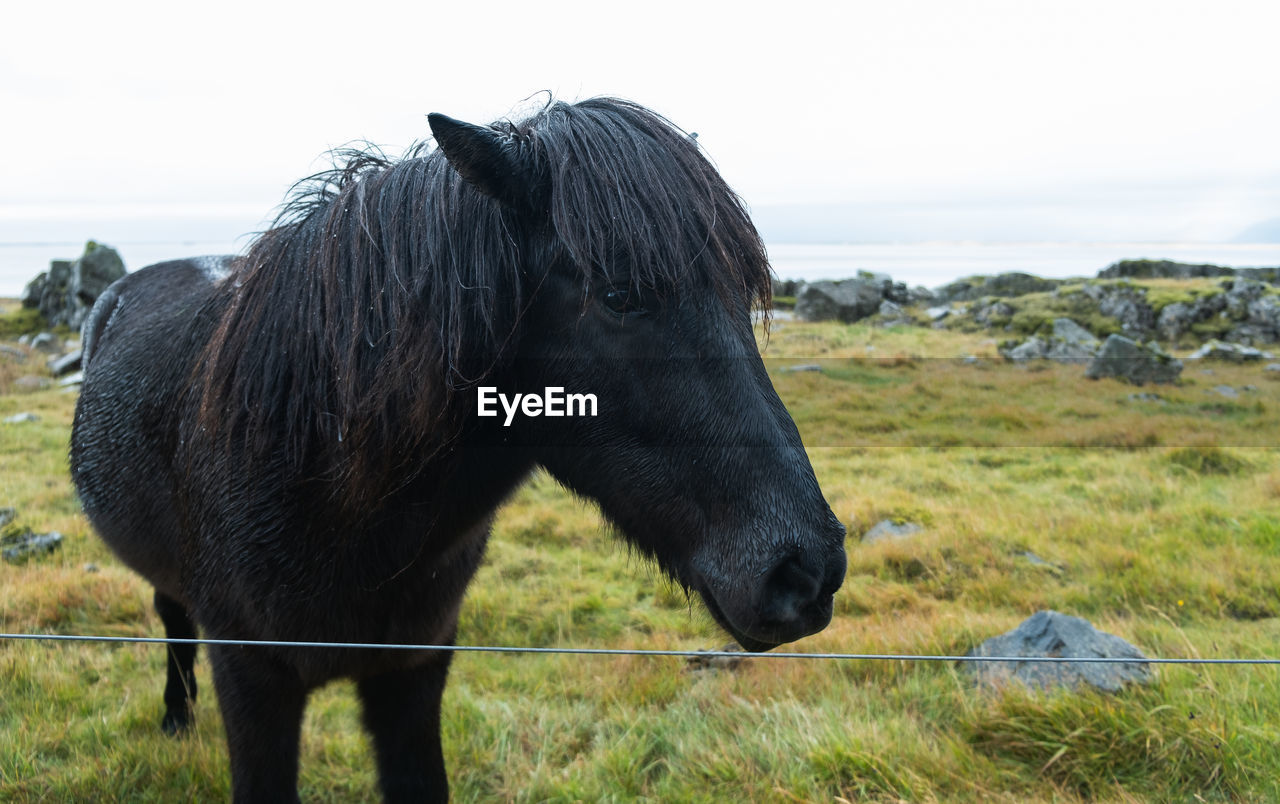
622	302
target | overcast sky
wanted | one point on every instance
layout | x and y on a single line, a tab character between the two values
1121	119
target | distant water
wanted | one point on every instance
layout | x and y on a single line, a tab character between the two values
928	264
934	264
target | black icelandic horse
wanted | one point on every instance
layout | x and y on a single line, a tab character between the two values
286	444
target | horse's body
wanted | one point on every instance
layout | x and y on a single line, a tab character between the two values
286	446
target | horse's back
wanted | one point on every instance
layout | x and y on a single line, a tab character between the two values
140	342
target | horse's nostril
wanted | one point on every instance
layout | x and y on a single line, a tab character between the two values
789	588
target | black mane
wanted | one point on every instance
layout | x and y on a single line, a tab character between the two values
385	287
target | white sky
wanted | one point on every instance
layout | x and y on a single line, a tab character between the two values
1159	116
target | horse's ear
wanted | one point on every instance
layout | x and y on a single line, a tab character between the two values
488	160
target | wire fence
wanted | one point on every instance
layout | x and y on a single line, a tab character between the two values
703	654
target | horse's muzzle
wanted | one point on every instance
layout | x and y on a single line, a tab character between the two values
792	599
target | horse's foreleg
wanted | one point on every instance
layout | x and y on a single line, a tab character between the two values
402	712
180	686
262	702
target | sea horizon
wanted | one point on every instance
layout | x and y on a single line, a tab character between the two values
929	263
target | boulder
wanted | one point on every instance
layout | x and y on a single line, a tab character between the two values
1129	360
846	300
65	364
1126	305
1049	634
888	530
1006	285
18	547
993	312
1069	343
1231	352
1161	269
65	293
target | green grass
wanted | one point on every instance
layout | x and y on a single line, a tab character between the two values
1161	521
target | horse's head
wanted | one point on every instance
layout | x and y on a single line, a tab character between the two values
641	269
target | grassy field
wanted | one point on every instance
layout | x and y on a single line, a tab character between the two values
1160	519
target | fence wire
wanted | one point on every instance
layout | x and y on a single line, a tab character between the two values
703	654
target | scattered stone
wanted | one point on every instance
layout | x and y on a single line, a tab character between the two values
7	515
1272	367
717	662
1127	305
90	567
71	380
1069	343
803	367
21	418
1146	397
65	293
1037	561
938	313
888	530
996	311
13	353
1227	391
1133	362
892	314
1052	635
18	547
1232	352
29	382
970	359
66	364
47	343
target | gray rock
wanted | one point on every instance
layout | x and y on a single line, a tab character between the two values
17	548
1145	397
71	380
48	343
1272	367
1161	269
993	312
1049	634
848	300
1174	320
1067	330
803	367
1128	360
7	515
921	295
1008	285
718	662
65	293
1232	352
13	353
21	418
1069	343
1036	561
890	309
28	382
1032	348
888	530
1226	390
66	364
1126	305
